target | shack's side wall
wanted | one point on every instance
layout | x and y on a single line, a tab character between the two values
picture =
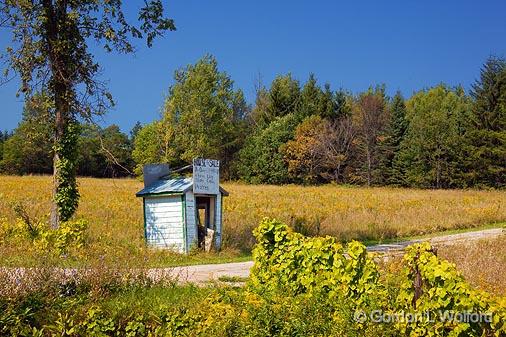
191	223
218	223
164	222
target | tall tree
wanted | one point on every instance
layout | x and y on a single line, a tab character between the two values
320	149
336	146
303	154
284	96
391	166
135	131
281	99
204	116
321	102
311	98
49	50
432	147
486	135
334	105
370	117
153	144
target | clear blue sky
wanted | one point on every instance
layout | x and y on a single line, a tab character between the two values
408	45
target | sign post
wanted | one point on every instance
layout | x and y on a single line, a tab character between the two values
206	176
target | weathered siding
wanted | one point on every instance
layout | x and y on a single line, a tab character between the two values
191	223
218	221
164	222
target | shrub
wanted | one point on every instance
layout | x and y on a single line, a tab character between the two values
71	235
432	287
289	260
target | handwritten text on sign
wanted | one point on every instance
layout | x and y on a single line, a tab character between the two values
206	176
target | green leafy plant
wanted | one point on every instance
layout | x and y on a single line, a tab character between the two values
70	235
432	287
97	323
290	260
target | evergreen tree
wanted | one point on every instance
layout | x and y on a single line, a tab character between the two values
334	104
310	98
392	168
281	99
135	131
321	102
284	96
486	134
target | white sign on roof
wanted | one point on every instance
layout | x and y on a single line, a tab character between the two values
206	176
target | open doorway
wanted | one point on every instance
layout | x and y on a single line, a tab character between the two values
205	221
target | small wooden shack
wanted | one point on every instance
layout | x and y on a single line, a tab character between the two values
177	218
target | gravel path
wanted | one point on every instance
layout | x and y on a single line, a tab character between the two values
236	273
212	272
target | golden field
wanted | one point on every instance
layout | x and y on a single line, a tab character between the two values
373	214
483	263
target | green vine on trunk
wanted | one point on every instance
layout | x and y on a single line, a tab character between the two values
67	194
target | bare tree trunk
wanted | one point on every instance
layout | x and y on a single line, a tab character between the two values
59	81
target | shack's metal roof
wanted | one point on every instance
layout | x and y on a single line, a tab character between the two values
176	185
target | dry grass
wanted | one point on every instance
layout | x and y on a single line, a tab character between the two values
483	263
361	213
115	214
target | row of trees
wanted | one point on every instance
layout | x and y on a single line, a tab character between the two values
102	152
440	137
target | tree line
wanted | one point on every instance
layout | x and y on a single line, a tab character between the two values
307	133
102	152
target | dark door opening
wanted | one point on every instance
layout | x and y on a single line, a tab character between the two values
205	220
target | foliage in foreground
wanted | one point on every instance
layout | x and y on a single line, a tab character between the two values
429	288
299	287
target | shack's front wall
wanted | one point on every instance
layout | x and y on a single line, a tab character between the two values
191	222
164	222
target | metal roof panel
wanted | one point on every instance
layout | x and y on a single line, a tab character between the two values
177	185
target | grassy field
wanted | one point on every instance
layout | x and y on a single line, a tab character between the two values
116	231
483	263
